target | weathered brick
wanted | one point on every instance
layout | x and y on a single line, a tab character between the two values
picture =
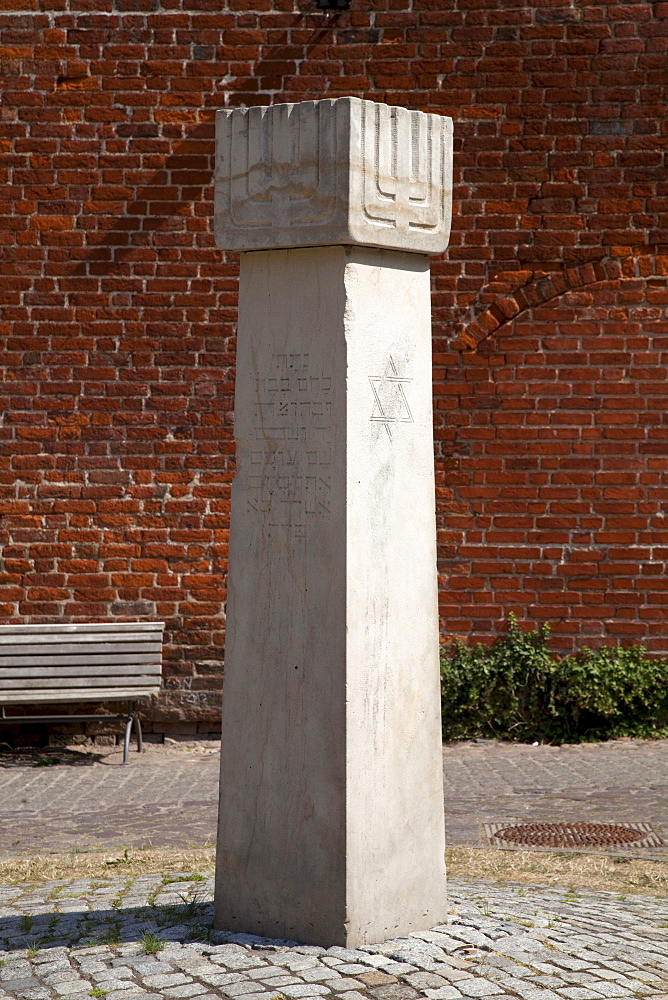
118	310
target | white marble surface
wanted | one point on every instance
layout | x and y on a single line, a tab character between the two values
331	819
342	171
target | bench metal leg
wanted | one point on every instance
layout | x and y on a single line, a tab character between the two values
132	720
126	741
140	737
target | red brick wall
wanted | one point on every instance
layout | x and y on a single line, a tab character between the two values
118	311
551	443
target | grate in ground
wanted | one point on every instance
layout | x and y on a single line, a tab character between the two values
572	835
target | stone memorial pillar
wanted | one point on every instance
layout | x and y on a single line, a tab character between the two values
331	802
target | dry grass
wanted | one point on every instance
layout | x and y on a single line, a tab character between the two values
44	867
559	869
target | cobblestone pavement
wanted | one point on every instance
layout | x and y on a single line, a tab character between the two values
150	937
616	782
89	800
166	797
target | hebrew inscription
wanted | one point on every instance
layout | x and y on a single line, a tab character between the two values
289	477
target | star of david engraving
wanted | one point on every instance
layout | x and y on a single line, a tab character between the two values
390	403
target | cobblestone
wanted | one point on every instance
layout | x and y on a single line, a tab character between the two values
510	942
47	808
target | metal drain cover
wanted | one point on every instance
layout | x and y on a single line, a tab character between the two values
573	835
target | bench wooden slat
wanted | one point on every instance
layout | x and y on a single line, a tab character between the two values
65	660
111	670
24	653
30	639
77	694
83	627
28	683
79	662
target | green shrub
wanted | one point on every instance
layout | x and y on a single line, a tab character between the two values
515	689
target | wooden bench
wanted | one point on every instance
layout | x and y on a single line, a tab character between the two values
81	662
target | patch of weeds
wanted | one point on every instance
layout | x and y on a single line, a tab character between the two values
98	991
112	936
119	861
162	918
199	932
26	924
34	949
189	907
621	861
46	762
192	903
643	879
195	877
512	919
151	943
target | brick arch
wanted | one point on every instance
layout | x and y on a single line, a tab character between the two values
515	299
552	487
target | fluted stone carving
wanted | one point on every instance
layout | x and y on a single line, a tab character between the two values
342	171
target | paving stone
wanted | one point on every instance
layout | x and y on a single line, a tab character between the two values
478	988
343	984
395	991
189	990
278	981
614	990
305	990
443	993
170	979
424	980
345	954
299	962
118	972
395	969
124	994
240	989
318	974
530	944
579	993
226	979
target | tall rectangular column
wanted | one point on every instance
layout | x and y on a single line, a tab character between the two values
331	825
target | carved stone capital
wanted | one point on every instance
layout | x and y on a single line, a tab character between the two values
329	172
